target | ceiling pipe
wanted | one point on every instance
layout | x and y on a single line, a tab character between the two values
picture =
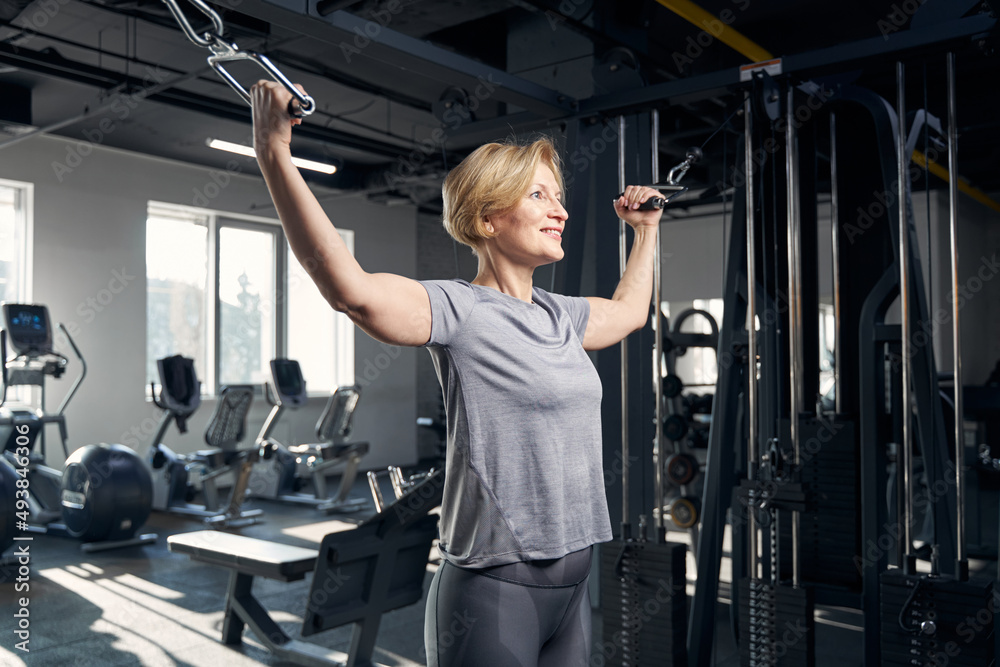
721	30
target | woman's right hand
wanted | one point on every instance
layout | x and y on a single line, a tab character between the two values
272	124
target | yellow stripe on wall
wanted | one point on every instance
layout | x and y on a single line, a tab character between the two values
963	185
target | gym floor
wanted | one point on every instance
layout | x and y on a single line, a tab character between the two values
147	606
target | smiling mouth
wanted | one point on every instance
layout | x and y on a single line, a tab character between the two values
553	232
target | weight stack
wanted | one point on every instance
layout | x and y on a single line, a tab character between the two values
644	604
776	625
935	621
830	536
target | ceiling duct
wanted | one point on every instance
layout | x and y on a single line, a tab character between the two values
16	108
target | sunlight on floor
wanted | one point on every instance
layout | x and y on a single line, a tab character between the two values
129	607
314	532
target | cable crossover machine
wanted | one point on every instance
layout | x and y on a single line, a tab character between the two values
816	492
805	483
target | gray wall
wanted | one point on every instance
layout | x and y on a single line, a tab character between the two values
979	286
89	222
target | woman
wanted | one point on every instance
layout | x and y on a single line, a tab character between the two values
524	494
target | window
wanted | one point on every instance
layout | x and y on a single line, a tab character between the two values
227	292
247	289
324	346
177	291
15	240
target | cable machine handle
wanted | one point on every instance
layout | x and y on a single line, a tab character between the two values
655	203
300	106
223	52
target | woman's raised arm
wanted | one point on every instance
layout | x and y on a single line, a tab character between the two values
388	307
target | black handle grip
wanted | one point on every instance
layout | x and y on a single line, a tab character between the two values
295	109
651	204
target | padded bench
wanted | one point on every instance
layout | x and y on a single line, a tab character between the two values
358	575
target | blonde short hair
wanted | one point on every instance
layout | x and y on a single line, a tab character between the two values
490	181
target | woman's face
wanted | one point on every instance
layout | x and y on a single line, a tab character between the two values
531	233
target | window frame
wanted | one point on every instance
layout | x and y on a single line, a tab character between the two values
216	221
279	245
24	203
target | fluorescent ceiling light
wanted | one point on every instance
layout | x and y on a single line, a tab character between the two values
240	149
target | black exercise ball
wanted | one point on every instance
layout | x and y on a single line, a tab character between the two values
8	503
107	493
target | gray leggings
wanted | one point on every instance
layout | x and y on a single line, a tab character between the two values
529	614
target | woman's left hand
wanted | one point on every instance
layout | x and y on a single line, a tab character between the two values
626	205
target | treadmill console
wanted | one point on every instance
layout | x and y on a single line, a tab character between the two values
29	330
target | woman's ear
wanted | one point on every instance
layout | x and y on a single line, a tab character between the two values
488	224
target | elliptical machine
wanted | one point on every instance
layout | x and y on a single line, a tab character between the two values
276	476
179	397
104	494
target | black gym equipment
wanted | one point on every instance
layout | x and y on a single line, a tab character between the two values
358	575
672	386
276	476
104	494
179	396
684	431
810	523
644	578
682	468
933	619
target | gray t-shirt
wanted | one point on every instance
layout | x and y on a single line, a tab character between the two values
524	477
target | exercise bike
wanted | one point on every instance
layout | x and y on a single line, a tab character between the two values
276	476
179	396
104	494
